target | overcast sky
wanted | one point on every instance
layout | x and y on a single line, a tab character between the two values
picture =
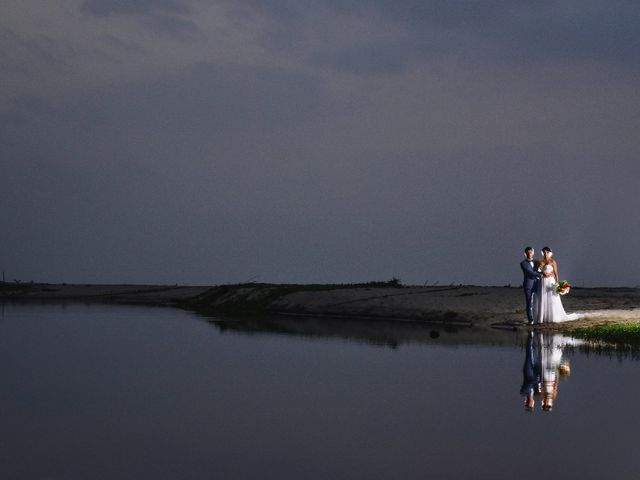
205	142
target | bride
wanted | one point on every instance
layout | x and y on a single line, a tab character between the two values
549	307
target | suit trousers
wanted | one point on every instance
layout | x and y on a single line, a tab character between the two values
529	292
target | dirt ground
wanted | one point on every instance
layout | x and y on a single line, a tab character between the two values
461	305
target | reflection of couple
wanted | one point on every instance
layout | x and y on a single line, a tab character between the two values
543	365
540	288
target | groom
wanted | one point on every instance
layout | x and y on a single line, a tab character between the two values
530	282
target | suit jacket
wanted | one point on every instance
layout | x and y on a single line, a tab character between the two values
530	275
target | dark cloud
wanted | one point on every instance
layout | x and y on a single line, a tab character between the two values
589	31
173	26
28	55
203	161
225	173
506	31
121	44
166	17
222	98
139	7
29	106
363	60
519	127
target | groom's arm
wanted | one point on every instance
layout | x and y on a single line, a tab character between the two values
529	271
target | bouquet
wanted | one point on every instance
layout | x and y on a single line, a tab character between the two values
563	287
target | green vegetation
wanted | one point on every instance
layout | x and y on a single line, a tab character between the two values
615	333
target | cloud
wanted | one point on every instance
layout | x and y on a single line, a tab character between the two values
27	62
134	7
367	60
222	98
121	45
203	156
372	139
22	52
492	30
30	106
166	17
174	26
224	172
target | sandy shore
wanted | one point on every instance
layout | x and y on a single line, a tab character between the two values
477	306
454	305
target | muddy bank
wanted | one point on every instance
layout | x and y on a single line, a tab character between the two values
454	305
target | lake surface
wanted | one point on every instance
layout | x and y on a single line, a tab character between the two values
120	392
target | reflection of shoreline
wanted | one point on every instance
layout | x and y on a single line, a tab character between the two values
379	332
394	334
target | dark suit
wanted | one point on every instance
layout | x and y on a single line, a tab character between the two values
529	284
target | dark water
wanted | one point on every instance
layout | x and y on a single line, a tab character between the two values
110	392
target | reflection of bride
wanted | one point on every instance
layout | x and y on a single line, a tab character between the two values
550	357
549	307
552	365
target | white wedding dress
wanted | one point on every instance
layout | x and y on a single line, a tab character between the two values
548	305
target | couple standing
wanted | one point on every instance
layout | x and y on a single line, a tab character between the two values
540	288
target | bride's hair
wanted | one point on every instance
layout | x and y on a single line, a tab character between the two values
543	260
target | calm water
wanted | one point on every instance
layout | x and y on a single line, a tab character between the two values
111	392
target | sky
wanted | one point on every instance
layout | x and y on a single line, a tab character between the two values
208	142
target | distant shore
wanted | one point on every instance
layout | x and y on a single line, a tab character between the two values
473	306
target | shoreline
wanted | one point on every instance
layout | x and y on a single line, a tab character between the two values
459	305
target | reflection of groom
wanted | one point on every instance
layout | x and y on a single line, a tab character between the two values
530	375
530	280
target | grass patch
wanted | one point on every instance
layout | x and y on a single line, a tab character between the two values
617	333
